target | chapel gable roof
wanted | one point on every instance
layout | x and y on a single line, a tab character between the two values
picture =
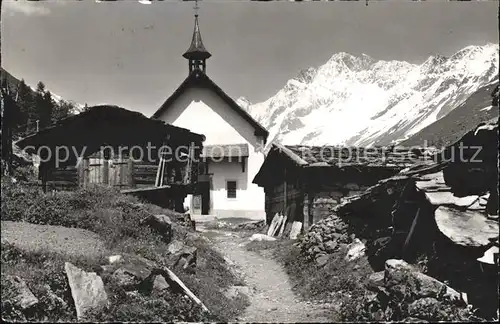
199	79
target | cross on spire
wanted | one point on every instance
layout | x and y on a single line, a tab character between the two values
196	8
196	53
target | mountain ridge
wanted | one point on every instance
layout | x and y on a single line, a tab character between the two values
357	100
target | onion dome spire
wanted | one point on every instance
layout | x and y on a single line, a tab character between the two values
196	53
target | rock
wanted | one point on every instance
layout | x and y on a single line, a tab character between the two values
261	237
126	279
175	246
336	236
399	274
322	259
317	249
138	260
107	268
162	224
24	298
375	280
355	250
317	237
115	259
187	257
330	246
87	289
234	291
396	264
159	284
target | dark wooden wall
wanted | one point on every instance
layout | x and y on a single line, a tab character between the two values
121	173
311	192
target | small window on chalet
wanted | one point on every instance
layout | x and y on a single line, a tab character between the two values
231	189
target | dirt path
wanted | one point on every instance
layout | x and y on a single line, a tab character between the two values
58	239
272	299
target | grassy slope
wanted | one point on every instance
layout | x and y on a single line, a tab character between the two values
459	121
114	217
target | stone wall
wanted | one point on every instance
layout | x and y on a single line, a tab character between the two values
328	197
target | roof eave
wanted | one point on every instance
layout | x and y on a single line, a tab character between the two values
197	54
259	129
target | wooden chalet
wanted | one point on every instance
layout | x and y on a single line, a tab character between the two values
112	146
303	182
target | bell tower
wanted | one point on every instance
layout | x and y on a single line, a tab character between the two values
197	53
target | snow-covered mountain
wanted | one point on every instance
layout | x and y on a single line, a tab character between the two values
360	101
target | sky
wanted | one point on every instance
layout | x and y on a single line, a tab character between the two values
130	54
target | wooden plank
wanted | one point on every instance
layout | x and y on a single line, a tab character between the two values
273	224
86	173
81	172
306	210
188	292
130	164
278	224
105	172
283	224
412	229
295	231
119	172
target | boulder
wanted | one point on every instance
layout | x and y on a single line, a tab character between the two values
322	260
355	250
130	277
186	258
399	274
115	259
175	247
24	298
162	224
375	280
87	289
330	246
159	285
